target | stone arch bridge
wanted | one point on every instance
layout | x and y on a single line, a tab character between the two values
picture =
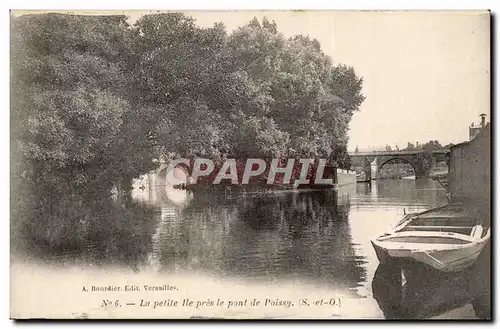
369	162
422	161
158	176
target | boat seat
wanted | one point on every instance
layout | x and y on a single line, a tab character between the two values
437	227
477	232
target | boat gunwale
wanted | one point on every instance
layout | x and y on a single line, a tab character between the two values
409	218
396	231
470	241
424	252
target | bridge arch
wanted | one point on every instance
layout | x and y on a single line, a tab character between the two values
181	171
386	161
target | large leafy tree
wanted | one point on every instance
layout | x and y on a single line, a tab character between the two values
295	84
68	120
183	84
67	101
95	100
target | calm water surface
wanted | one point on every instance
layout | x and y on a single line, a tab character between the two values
318	236
320	239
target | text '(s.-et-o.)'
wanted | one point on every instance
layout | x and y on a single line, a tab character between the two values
224	303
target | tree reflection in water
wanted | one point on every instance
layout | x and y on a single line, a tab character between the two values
264	235
88	233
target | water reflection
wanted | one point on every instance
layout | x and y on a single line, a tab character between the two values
426	292
387	290
267	236
312	237
96	234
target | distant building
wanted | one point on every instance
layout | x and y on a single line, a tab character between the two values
469	173
474	130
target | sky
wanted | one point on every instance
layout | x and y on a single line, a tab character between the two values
426	73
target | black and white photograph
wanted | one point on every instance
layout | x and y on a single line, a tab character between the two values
250	164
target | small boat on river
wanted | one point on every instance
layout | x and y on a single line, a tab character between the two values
448	238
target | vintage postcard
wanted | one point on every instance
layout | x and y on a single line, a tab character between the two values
250	165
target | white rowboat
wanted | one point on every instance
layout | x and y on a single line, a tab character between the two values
448	238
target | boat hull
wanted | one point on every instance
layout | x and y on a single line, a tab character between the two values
449	260
448	238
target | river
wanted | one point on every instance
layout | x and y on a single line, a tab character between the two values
282	244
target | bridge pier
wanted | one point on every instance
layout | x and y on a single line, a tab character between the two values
374	169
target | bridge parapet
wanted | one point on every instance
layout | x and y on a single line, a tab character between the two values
396	153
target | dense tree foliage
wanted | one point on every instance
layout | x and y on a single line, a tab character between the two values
430	145
296	89
96	100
